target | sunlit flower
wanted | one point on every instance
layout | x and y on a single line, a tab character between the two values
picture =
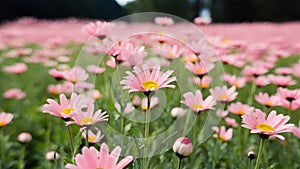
239	108
145	81
91	158
66	108
14	93
196	103
88	118
271	126
223	94
5	118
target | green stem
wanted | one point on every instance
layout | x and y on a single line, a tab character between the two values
252	91
71	140
2	147
147	128
87	137
179	163
21	163
262	142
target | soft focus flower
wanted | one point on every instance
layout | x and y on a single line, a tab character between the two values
178	112
95	69
203	82
251	155
91	158
238	82
147	82
17	68
199	68
296	131
153	103
5	118
281	81
76	74
231	122
183	147
223	94
266	100
202	21
24	137
14	93
88	118
98	28
239	108
271	126
128	108
66	108
52	155
221	113
164	21
92	137
289	98
94	94
58	75
196	103
223	134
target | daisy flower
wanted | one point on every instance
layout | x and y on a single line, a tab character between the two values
266	100
88	118
289	98
91	158
98	28
146	81
239	108
271	126
66	108
14	93
5	118
92	137
223	94
164	21
222	133
76	74
17	68
196	103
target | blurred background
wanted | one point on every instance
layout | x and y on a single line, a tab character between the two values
218	10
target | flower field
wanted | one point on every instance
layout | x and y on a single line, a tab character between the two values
164	93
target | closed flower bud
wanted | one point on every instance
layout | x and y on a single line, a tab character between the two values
52	155
251	155
183	147
24	137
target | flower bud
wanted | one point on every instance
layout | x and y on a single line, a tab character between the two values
52	155
24	137
251	155
183	147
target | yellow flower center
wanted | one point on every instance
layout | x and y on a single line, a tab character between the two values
269	103
199	70
223	138
225	41
204	85
2	123
240	112
265	127
222	97
149	85
170	55
74	80
190	59
198	106
236	84
87	121
67	110
91	138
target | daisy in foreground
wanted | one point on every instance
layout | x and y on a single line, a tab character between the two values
146	81
274	124
91	158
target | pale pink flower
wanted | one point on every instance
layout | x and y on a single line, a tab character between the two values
76	74
145	81
88	118
66	88
183	147
200	68
178	112
52	155
92	137
266	100
128	108
14	93
289	98
239	108
202	21
91	158
168	51
221	113
283	70
66	108
223	134
94	94
164	21
281	81
203	82
238	82
253	71
296	131
153	103
111	63
98	28
271	126
17	68
231	122
24	137
196	103
58	75
95	69
223	94
262	81
5	118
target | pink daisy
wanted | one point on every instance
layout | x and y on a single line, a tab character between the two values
203	82
98	28
164	21
231	122
146	81
222	133
5	118
17	68
271	126
14	93
154	102
91	158
92	137
95	69
200	69
76	74
66	108
223	94
289	98
88	118
266	100
202	21
239	108
281	81
196	103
